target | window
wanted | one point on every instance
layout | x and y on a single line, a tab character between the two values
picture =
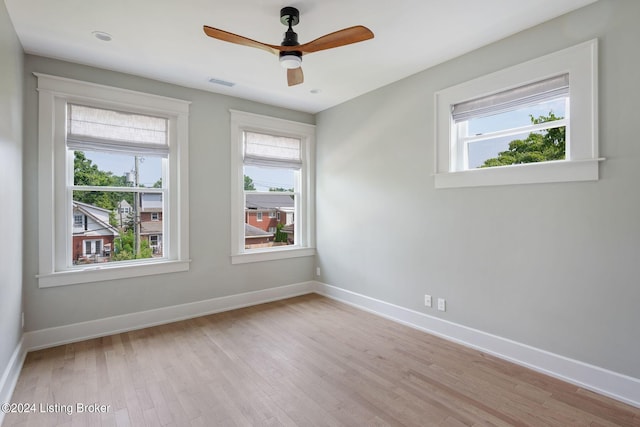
272	171
155	216
92	247
99	147
532	123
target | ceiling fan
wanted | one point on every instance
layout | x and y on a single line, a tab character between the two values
290	51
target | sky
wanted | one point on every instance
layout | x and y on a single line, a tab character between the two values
265	178
482	150
149	169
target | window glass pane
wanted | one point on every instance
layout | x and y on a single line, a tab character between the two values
118	170
269	179
263	230
517	118
108	234
527	147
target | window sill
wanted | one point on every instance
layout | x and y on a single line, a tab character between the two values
530	173
271	254
109	272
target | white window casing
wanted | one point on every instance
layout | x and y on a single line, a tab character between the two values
57	137
294	148
521	84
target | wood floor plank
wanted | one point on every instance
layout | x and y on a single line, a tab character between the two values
306	361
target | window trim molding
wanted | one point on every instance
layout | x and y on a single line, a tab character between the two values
581	62
241	121
53	94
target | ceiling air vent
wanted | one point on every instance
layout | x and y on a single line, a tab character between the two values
221	82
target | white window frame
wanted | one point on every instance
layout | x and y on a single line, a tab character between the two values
156	215
581	157
305	226
54	200
259	216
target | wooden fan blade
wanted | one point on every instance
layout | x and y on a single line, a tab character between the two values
295	76
339	38
241	40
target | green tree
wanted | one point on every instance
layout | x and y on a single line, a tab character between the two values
280	236
124	248
248	184
537	147
85	172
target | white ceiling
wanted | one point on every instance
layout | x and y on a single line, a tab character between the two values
163	40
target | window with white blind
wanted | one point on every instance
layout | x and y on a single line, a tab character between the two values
115	158
272	171
532	123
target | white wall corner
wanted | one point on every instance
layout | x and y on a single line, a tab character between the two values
10	375
49	337
611	384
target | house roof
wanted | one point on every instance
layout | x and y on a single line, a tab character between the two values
269	201
251	231
99	215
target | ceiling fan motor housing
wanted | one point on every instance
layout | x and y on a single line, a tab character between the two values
289	16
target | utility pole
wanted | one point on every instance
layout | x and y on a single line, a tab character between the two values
136	210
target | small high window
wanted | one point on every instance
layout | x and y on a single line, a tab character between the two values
532	123
526	124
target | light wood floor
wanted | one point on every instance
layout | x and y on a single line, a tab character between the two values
305	361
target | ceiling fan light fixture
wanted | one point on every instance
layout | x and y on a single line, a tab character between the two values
290	60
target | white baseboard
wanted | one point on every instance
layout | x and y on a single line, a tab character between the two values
10	375
617	386
612	384
51	337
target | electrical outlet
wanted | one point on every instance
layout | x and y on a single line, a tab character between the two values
22	320
442	304
427	300
318	271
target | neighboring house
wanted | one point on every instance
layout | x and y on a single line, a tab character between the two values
266	211
93	236
124	213
151	226
255	237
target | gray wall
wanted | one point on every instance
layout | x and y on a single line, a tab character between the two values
211	274
554	266
11	81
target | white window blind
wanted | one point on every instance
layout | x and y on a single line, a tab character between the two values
90	128
548	89
273	151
